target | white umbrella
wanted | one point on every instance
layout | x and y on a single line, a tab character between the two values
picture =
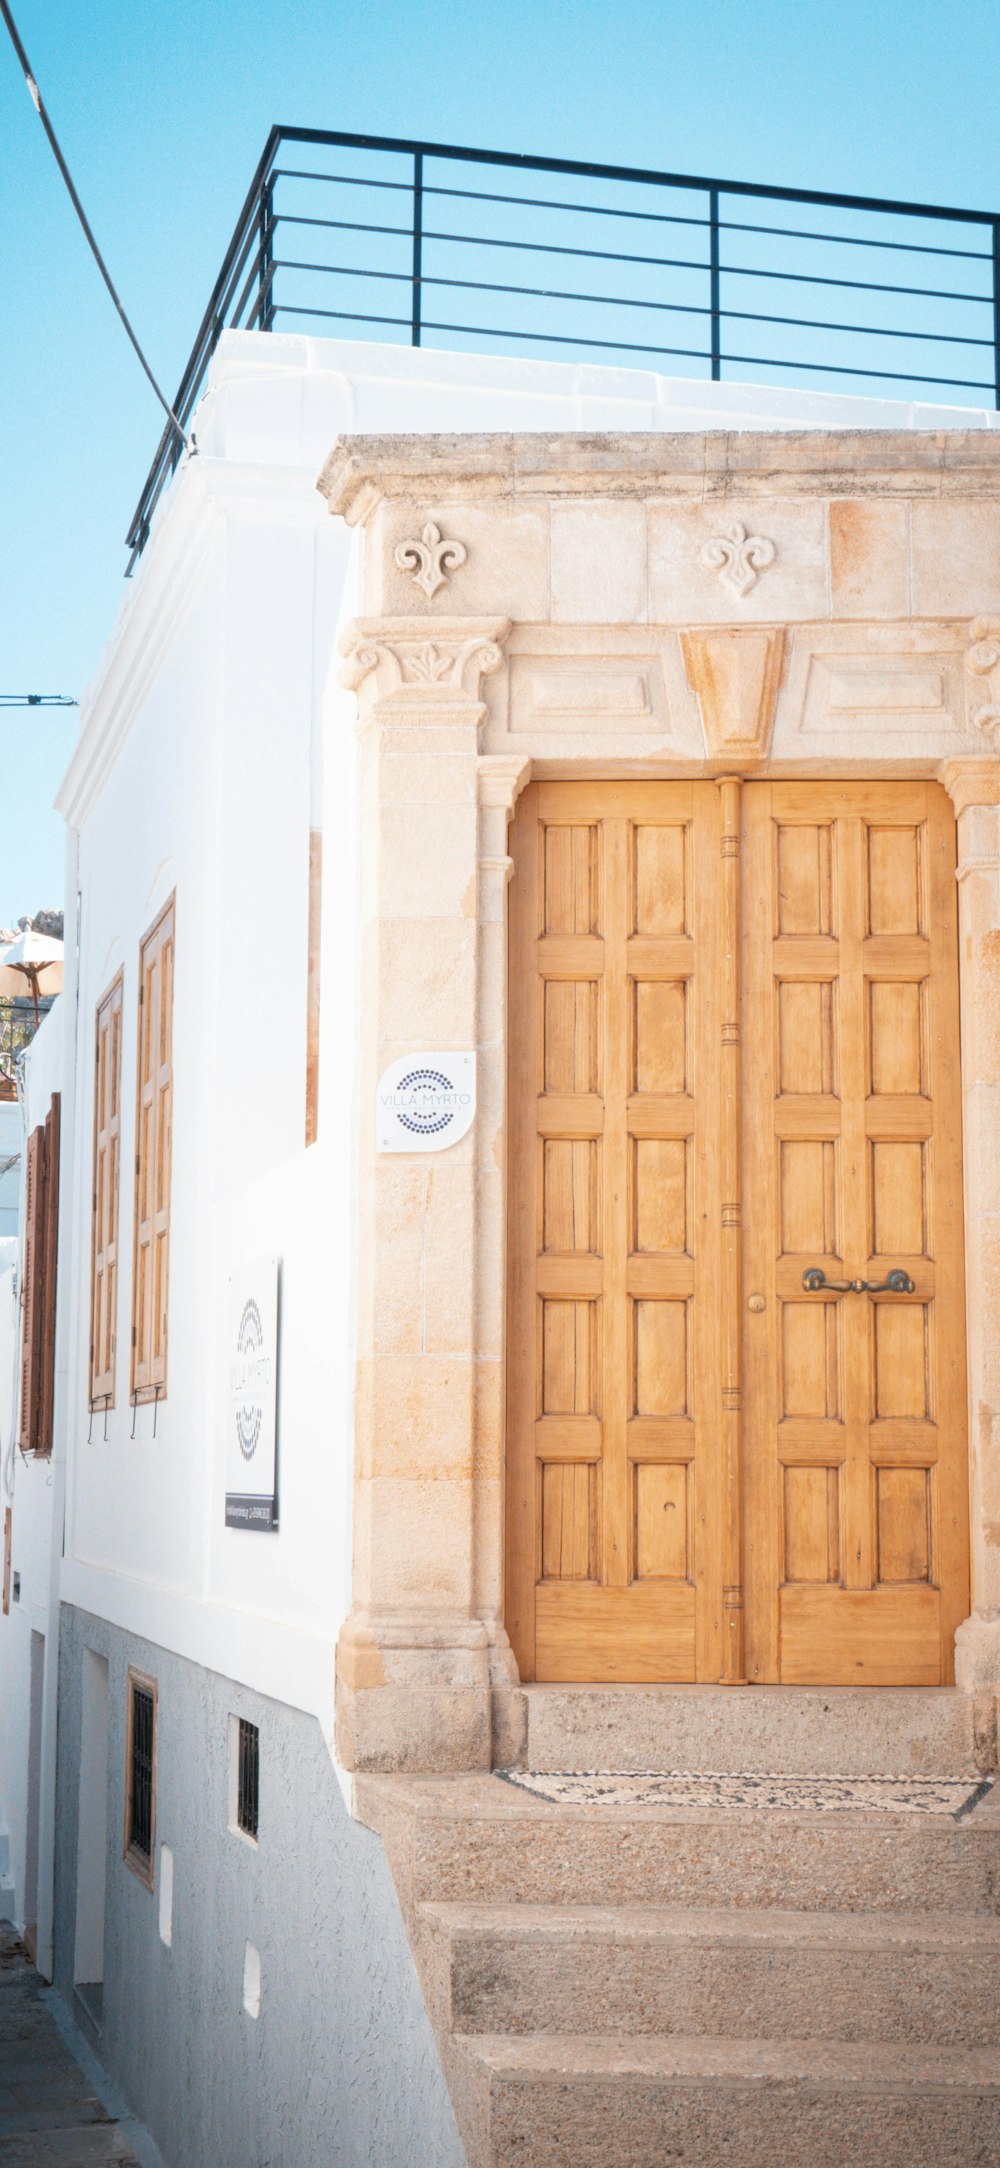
33	963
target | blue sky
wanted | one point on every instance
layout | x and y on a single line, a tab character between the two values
162	112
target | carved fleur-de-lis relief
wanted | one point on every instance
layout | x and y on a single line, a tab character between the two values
983	661
738	557
430	558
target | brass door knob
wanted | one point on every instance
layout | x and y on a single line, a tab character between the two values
756	1302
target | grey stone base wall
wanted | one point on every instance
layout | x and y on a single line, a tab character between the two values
340	2068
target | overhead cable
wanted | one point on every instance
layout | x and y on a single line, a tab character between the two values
38	103
37	699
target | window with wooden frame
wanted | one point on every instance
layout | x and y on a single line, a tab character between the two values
140	1775
107	1170
154	1098
38	1284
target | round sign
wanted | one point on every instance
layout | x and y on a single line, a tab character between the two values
424	1102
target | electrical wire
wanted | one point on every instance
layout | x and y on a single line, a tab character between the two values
37	700
38	103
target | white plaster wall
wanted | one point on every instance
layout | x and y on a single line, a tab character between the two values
197	770
10	1180
27	1487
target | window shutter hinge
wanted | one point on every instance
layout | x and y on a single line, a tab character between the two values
133	1336
137	1162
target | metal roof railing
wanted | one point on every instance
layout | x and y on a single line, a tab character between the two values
432	244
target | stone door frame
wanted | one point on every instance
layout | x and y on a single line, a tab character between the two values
456	713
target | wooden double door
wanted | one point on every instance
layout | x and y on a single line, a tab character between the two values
734	1087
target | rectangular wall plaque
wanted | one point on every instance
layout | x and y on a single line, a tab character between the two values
252	1397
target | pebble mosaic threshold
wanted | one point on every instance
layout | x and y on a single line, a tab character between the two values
956	1796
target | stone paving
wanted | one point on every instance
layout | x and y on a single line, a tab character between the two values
50	2115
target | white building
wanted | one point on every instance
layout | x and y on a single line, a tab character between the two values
31	1499
212	1897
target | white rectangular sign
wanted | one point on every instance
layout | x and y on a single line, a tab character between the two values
252	1397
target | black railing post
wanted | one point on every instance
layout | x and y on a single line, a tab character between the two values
996	311
418	226
713	263
265	303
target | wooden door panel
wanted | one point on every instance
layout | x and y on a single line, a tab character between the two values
883	1638
613	1494
854	1440
636	1479
586	1634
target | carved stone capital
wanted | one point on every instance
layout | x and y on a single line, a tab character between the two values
971	782
735	674
501	778
983	665
418	666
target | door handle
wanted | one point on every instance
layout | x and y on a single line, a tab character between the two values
897	1283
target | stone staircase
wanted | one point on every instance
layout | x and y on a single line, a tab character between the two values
632	1987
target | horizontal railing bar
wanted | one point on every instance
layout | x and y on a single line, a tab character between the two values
492	286
665	263
490	331
488	195
663	218
626	301
863	286
477	240
521	161
842	368
626	346
347	180
862	331
856	240
552	203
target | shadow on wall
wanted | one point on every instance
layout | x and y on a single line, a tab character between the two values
260	2003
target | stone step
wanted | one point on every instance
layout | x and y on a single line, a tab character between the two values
558	2101
476	1839
743	1974
768	1730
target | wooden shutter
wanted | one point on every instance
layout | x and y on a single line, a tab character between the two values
154	1097
48	1273
107	1169
38	1285
30	1306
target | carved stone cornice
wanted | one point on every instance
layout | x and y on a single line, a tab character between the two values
734	674
364	471
417	665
